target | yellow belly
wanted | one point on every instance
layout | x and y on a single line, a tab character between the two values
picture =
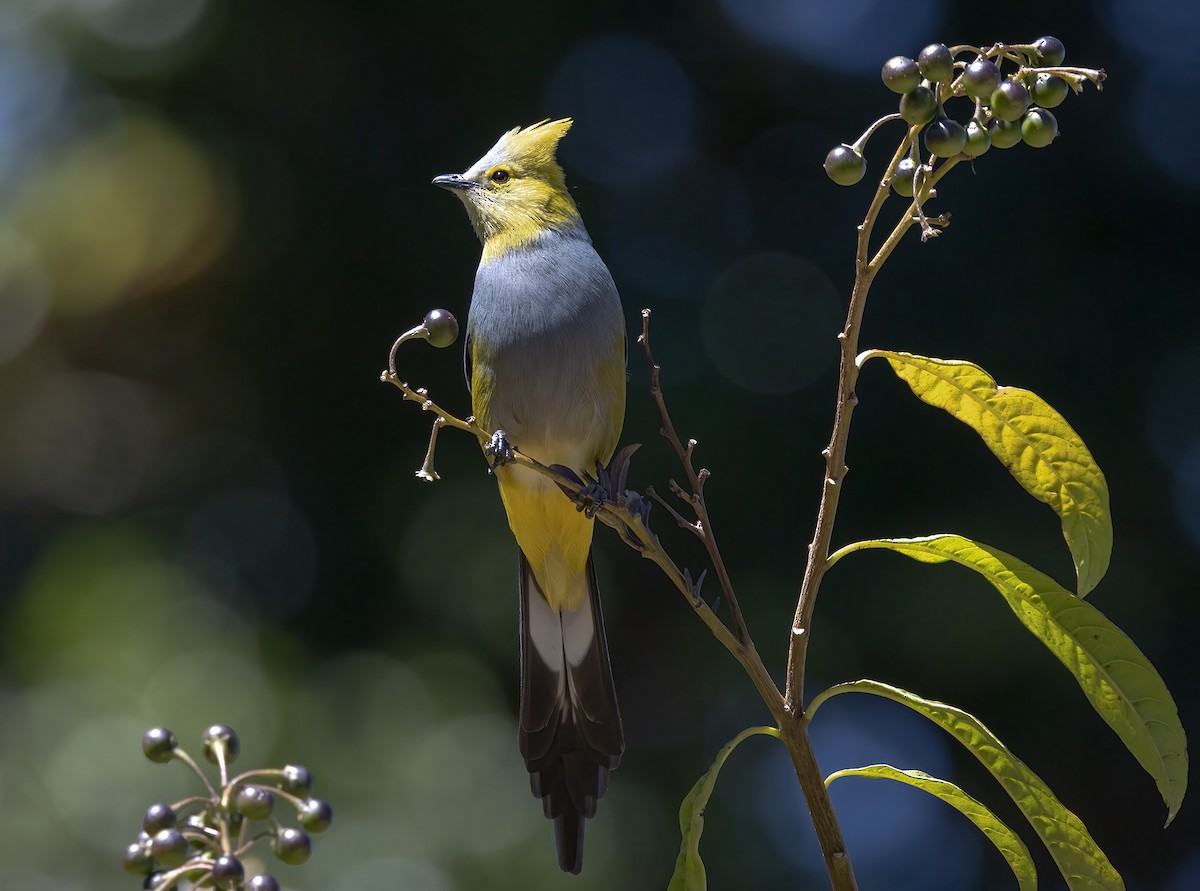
554	536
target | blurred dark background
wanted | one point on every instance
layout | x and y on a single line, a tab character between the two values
215	216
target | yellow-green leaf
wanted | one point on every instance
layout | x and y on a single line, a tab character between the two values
689	868
1007	842
1116	677
1076	854
1032	440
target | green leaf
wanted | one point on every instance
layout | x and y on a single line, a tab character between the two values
1118	680
1077	855
689	868
1032	440
1007	842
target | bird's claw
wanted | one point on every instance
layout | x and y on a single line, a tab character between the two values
594	495
591	493
499	451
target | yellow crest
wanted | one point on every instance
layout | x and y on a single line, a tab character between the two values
517	190
535	146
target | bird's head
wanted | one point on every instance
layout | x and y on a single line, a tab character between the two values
517	190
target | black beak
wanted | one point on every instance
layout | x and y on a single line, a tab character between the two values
452	181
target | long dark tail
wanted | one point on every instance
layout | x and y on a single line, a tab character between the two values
570	732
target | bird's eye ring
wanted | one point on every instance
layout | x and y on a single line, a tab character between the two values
500	177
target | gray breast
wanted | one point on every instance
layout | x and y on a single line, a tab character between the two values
551	320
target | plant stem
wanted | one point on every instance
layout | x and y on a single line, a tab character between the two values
866	267
835	453
824	819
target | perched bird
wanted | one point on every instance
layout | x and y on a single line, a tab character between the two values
545	358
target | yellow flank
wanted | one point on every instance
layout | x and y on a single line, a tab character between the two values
554	536
612	380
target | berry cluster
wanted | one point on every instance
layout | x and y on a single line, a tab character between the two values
201	839
1009	107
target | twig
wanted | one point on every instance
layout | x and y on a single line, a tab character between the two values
427	472
696	479
684	522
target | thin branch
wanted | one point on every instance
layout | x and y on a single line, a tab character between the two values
190	762
427	472
696	480
835	453
684	522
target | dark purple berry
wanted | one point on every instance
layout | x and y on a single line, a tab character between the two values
296	779
293	846
221	737
1010	101
1005	134
978	139
227	872
901	74
945	137
1049	91
844	165
262	882
902	179
442	328
255	802
981	79
316	815
159	744
169	848
137	860
918	106
1039	128
936	63
159	817
1049	51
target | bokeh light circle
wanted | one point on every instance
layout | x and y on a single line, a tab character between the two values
633	107
1187	493
1169	141
24	297
142	24
853	36
129	208
33	76
671	236
1147	26
85	441
1172	423
394	872
252	543
770	321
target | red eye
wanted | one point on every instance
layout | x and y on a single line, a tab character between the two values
500	177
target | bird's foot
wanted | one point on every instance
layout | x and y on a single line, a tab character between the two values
595	494
499	451
590	494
